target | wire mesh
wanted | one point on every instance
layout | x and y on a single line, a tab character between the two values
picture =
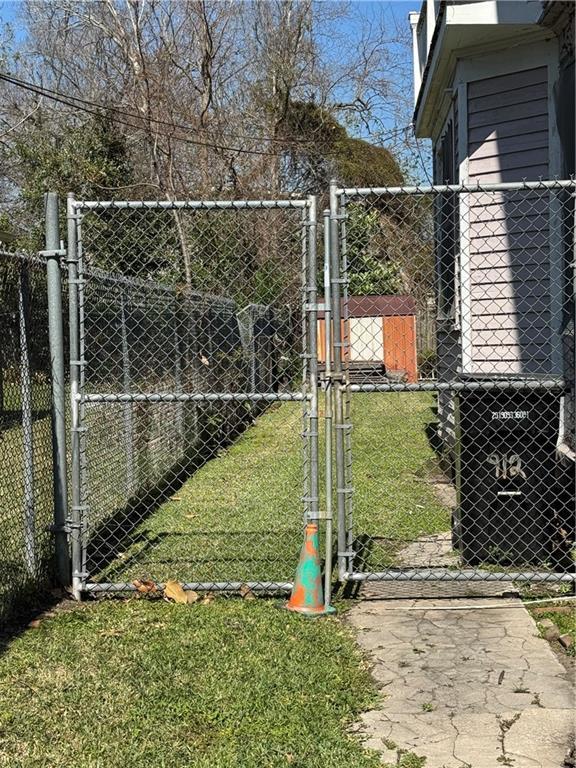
457	333
26	503
193	321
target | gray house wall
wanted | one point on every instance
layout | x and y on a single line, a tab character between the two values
509	92
508	317
515	295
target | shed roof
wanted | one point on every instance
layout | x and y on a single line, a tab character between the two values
379	306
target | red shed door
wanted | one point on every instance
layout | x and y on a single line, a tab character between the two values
400	345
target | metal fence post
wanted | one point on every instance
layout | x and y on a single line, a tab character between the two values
328	420
312	310
338	347
29	521
305	356
53	252
75	366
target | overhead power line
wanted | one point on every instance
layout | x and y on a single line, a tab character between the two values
135	115
95	108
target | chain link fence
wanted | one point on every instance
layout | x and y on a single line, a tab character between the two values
447	326
490	386
187	321
26	484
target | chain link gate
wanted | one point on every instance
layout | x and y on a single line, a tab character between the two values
187	320
453	331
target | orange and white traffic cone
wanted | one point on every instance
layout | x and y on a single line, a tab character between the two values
307	594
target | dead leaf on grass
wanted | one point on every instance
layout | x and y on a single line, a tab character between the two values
191	516
246	593
145	586
173	591
192	597
208	598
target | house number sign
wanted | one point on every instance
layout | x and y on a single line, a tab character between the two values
507	466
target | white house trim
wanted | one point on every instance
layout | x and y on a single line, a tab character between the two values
465	300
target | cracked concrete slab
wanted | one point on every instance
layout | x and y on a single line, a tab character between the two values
464	688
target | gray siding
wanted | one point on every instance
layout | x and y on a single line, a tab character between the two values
507	239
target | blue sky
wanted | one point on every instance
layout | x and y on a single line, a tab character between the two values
8	10
399	8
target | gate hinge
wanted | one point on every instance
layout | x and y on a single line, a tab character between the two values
52	253
347	553
66	527
320	307
345	490
82	575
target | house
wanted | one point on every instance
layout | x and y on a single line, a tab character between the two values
494	91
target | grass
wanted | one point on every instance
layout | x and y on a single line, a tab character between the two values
141	684
18	580
394	502
239	517
144	683
564	617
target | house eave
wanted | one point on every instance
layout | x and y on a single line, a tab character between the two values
458	36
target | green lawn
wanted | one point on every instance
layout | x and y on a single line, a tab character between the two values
153	685
227	683
392	462
20	577
239	517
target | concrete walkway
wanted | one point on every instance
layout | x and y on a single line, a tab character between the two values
464	688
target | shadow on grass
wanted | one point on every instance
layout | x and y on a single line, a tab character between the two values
13	417
214	549
29	603
117	531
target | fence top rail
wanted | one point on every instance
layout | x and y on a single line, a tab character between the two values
551	184
148	287
190	204
20	255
